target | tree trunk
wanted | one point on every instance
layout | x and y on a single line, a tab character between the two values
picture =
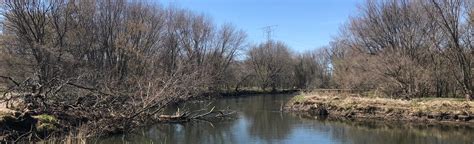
468	97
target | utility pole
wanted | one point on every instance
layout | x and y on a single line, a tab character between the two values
268	30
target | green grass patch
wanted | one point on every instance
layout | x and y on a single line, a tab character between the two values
47	123
45	118
298	98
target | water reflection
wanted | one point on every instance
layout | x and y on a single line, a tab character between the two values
265	121
260	121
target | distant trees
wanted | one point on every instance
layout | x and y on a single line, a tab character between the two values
140	50
312	70
407	48
271	62
273	65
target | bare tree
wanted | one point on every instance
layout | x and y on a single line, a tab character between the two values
405	48
312	69
271	62
453	19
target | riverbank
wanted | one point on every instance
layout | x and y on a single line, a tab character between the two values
18	123
435	110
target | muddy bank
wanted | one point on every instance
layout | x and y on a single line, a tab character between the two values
358	108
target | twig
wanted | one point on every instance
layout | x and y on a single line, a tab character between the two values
205	114
88	88
23	135
11	79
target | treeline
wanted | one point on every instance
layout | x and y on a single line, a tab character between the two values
407	48
131	47
115	46
272	65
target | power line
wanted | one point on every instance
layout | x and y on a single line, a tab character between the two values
268	31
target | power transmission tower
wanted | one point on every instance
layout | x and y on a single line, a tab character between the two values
268	31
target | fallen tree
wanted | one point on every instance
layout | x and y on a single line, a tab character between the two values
185	116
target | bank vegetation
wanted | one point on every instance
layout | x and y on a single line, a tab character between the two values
346	106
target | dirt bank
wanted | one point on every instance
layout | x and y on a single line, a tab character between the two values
421	110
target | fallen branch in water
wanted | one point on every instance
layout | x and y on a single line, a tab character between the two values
203	115
196	115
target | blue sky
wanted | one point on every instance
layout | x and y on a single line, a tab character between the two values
302	24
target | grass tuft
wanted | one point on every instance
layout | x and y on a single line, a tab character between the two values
298	98
45	118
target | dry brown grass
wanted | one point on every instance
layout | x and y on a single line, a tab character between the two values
347	104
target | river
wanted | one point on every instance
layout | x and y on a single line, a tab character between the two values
259	120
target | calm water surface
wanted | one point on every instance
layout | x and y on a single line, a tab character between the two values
259	120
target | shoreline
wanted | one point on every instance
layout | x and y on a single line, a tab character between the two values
428	111
14	124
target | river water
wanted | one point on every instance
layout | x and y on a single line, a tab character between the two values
259	120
